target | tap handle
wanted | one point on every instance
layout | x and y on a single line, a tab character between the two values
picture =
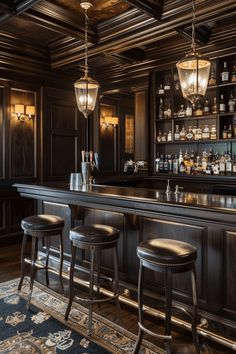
177	188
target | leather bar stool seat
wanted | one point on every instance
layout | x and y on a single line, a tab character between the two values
166	251
42	222
41	227
94	238
94	234
170	256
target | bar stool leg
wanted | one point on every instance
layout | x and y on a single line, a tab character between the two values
73	254
168	307
98	274
47	244
140	309
116	278
89	325
195	309
61	262
23	247
32	269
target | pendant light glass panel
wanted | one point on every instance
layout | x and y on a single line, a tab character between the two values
194	72
86	90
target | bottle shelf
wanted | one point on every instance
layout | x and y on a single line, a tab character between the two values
227	84
196	141
217	93
208	116
227	114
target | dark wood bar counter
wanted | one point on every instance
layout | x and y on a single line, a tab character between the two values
206	221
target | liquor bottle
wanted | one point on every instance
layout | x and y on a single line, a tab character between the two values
222	104
194	131
164	137
235	128
231	103
181	113
212	79
159	136
189	110
216	165
233	74
161	164
161	90
169	136
207	109
222	165
206	132
167	112
157	163
161	109
214	106
213	134
170	163
182	133
198	135
224	133
166	165
189	135
177	134
234	165
167	85
199	111
182	168
204	161
230	132
198	167
175	165
225	73
181	159
228	164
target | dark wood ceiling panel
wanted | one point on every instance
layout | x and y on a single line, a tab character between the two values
153	8
59	20
101	10
127	38
26	29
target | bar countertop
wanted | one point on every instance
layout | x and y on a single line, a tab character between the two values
129	197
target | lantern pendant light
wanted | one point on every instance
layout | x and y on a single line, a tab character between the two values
193	70
86	89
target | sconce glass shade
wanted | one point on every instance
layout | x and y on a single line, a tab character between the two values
30	110
194	71
86	90
111	120
19	109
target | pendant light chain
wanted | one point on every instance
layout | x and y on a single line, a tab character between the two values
86	42
193	26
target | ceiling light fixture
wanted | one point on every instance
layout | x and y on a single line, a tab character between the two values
86	89
193	69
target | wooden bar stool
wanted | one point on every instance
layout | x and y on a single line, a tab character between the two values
44	227
171	257
94	238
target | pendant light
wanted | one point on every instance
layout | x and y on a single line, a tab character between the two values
86	89
193	70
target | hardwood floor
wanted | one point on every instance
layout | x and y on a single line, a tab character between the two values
182	342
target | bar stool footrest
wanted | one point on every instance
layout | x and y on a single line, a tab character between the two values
151	333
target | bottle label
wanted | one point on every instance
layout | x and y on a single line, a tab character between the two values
222	107
225	76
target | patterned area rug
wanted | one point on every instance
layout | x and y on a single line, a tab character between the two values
43	329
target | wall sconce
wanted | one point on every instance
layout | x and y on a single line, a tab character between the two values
110	121
22	113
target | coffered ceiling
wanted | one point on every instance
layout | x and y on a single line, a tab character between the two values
127	38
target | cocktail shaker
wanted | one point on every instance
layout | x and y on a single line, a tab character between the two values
86	172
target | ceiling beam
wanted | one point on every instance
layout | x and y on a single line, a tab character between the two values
153	8
202	34
17	9
150	32
53	17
